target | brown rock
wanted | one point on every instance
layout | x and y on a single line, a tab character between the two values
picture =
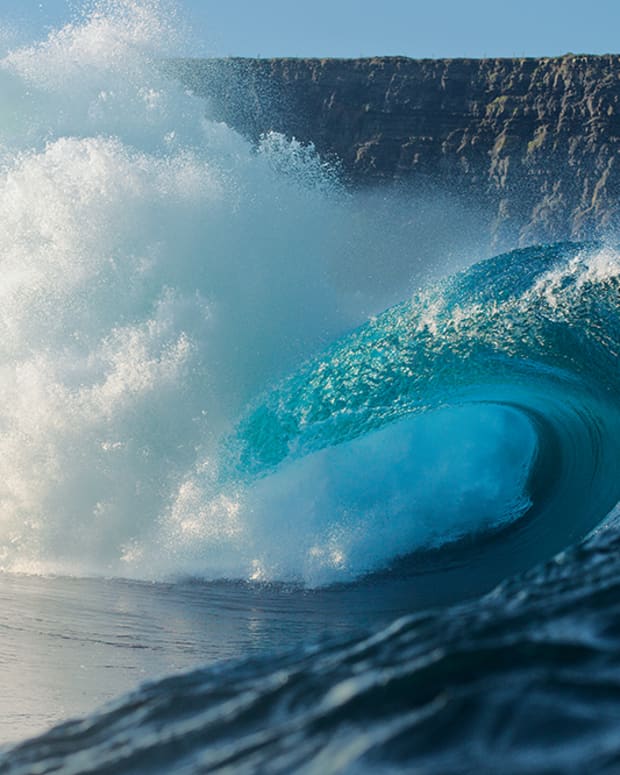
534	140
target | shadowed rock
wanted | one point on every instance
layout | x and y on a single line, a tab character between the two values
534	140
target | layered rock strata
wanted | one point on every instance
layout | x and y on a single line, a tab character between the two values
534	141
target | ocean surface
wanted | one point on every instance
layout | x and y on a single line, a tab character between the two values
257	512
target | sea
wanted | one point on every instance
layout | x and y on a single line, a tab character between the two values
293	477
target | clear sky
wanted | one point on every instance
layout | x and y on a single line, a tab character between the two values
435	28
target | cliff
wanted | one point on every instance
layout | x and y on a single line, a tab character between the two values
535	141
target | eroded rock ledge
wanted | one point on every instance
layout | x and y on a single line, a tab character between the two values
535	140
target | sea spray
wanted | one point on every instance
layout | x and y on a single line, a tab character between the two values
156	271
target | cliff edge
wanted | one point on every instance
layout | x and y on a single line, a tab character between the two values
535	140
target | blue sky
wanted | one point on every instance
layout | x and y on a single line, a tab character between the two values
357	27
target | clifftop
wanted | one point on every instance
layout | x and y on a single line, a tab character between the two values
534	140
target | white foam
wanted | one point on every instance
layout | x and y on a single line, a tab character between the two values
417	484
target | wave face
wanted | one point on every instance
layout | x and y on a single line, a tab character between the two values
487	402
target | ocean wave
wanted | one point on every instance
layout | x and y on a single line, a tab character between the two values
487	402
155	283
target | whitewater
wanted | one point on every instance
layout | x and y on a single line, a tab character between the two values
224	434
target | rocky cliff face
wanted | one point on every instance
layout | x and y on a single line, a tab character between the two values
536	141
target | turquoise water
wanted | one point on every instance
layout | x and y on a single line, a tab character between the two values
487	402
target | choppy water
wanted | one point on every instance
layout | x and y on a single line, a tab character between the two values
192	389
524	680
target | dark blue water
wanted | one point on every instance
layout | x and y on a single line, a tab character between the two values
524	680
